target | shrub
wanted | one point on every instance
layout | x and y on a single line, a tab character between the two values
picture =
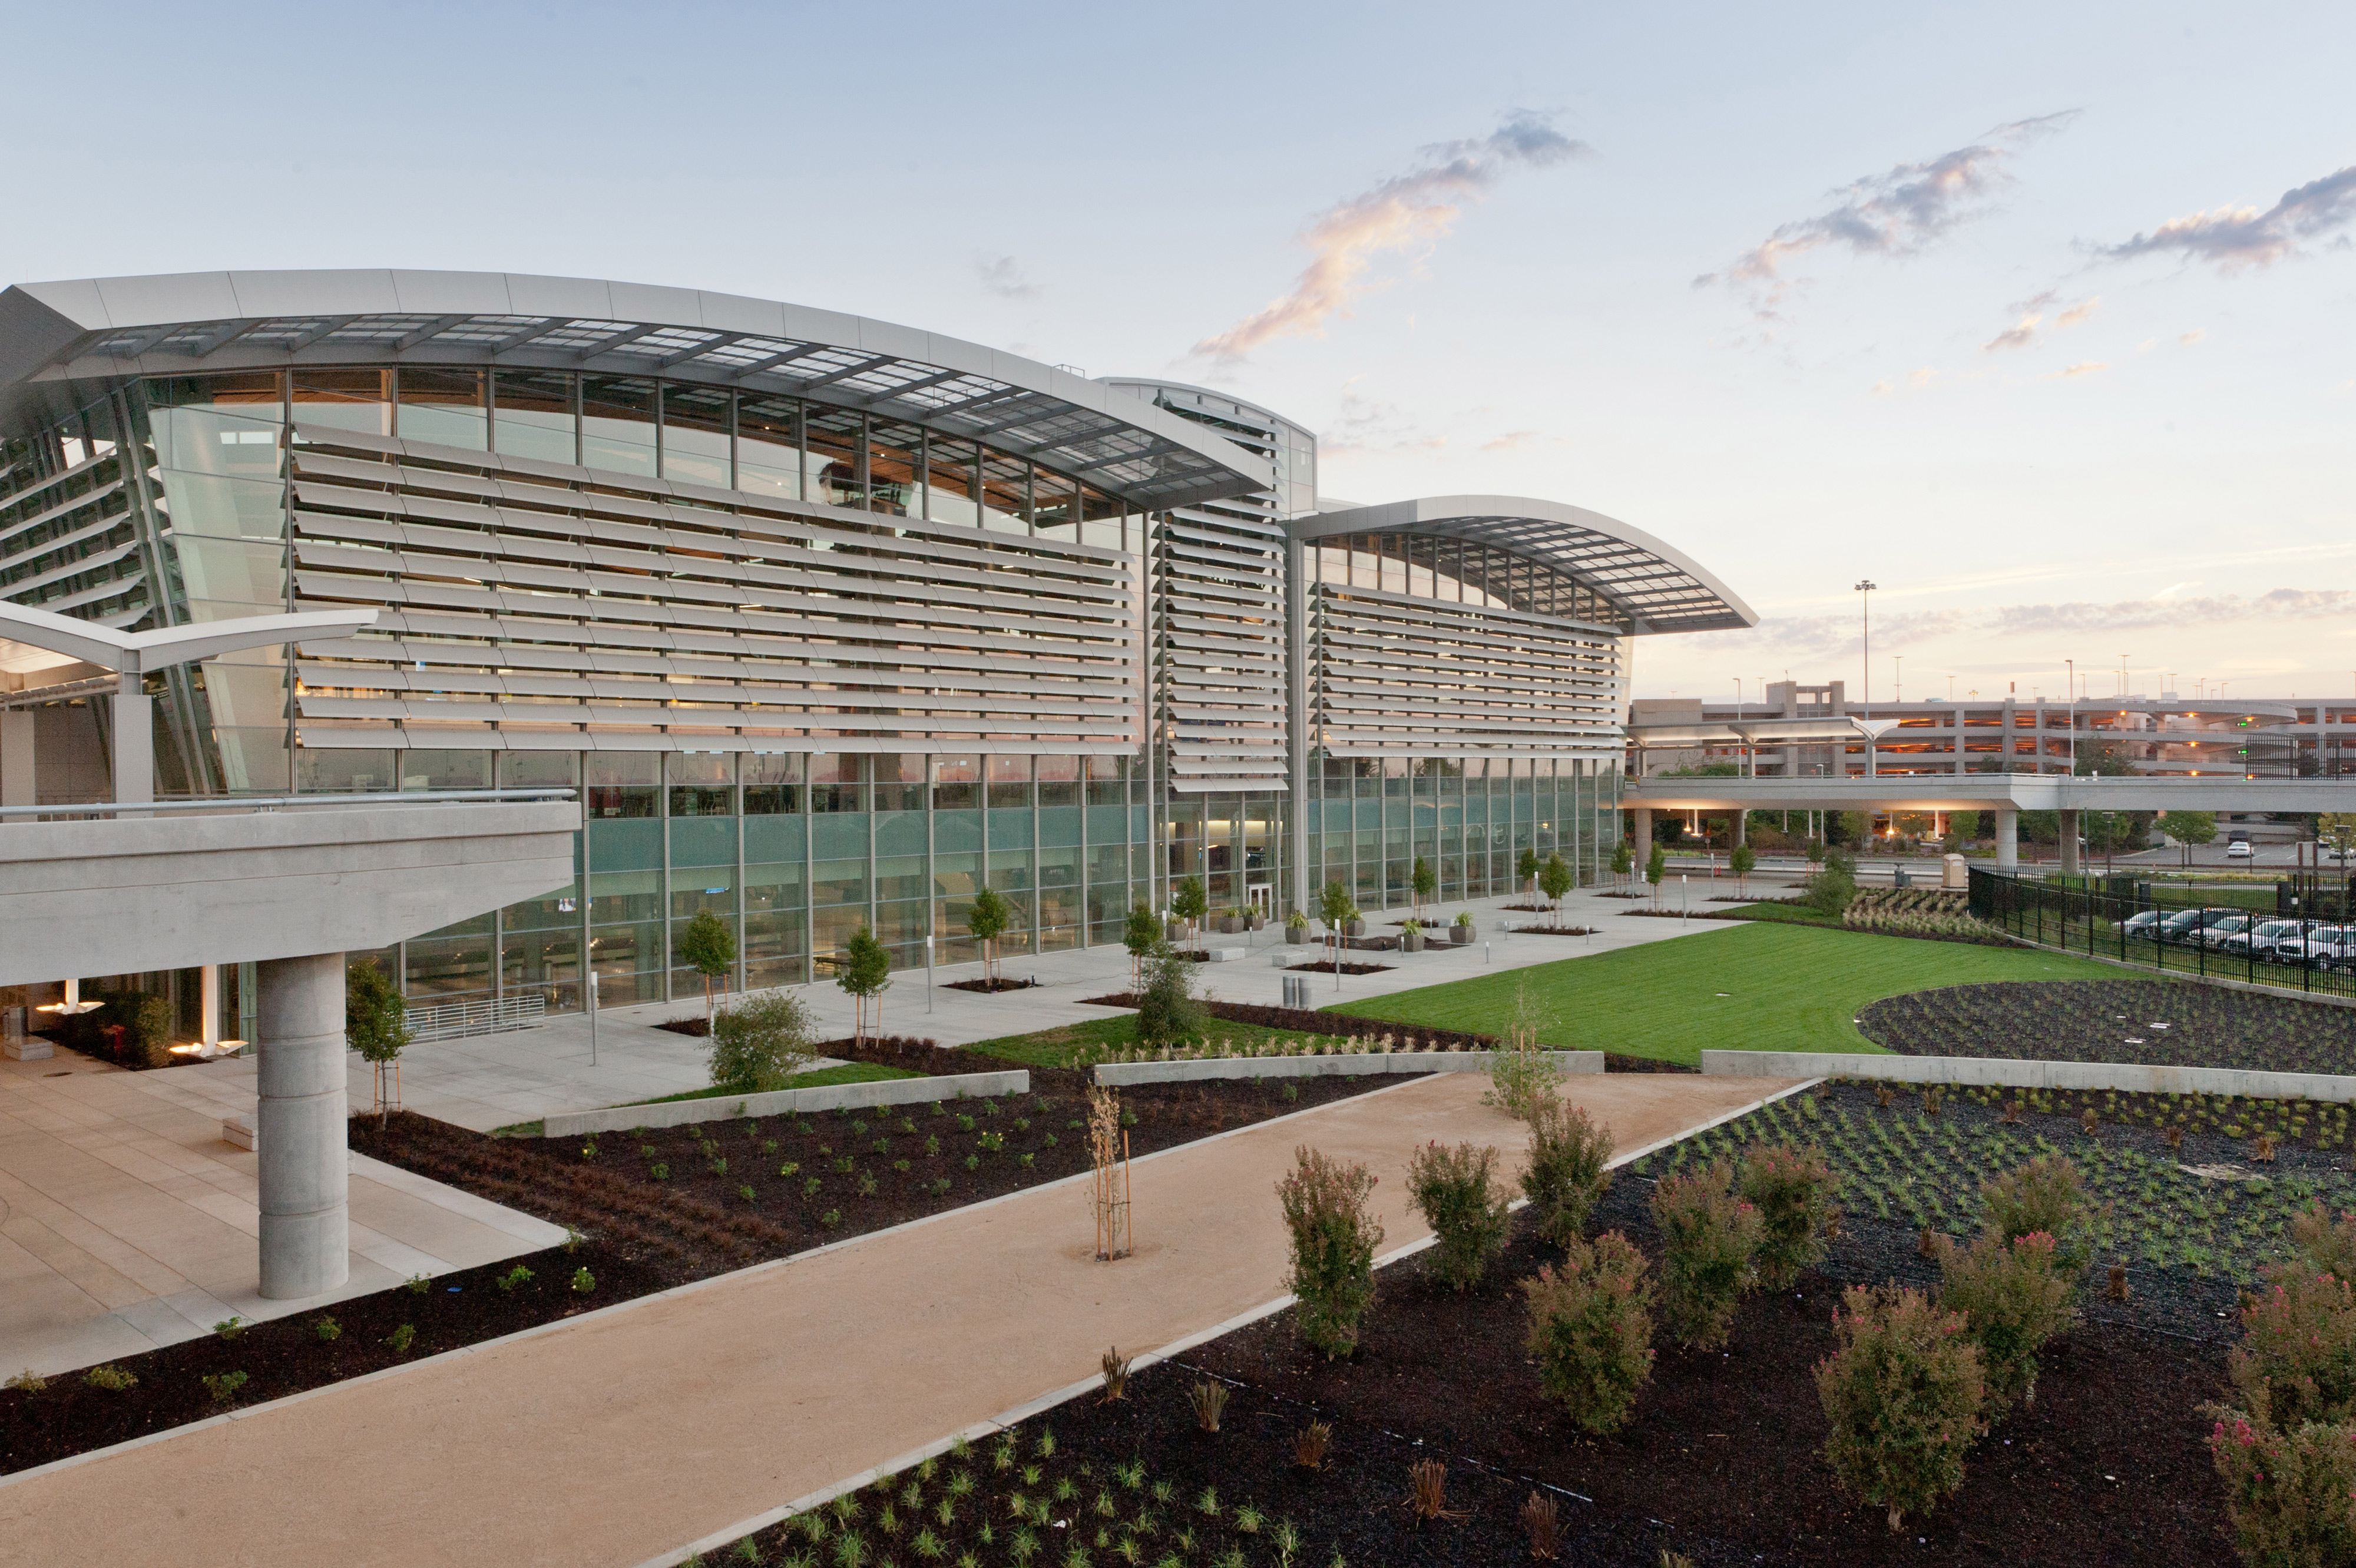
2328	1245
1566	1176
1591	1330
760	1041
2046	1193
1520	1071
1794	1191
2296	1360
1903	1391
1333	1242
1709	1236
1166	1007
1456	1192
111	1378
2015	1298
1831	888
2288	1493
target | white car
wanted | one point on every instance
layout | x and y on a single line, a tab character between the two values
2240	850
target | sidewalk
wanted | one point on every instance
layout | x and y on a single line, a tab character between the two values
617	1436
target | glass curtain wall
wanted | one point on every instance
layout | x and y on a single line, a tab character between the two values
1371	818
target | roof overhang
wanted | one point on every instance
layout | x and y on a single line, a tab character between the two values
61	341
1659	588
26	634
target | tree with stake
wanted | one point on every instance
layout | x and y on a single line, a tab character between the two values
1623	862
1554	881
987	919
1657	865
376	1023
1741	862
2190	829
1527	868
1425	880
1143	930
709	947
863	972
1188	901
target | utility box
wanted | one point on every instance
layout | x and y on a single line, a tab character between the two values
1953	874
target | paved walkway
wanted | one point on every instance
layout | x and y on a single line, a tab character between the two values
127	1223
617	1436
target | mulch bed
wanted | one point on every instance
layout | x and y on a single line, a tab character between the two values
1327	967
1557	930
989	987
2130	1021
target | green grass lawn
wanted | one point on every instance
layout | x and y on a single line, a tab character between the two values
1064	1047
1756	986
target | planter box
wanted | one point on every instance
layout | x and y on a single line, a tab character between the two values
1354	929
1296	935
1460	935
1411	940
789	1101
1175	930
1230	926
1257	921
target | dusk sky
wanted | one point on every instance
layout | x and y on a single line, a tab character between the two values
2044	318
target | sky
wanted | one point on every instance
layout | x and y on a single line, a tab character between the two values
2038	316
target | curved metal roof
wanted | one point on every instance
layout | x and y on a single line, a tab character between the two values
96	329
1661	588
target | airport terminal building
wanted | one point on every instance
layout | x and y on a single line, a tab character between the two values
833	622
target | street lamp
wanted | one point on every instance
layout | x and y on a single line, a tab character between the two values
1865	622
2074	715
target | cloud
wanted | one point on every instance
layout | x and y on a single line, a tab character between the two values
1406	212
1362	425
2080	312
2239	237
1510	441
1005	277
2083	368
2194	337
2019	335
1894	215
2024	331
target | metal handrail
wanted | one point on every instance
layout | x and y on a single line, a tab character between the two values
277	802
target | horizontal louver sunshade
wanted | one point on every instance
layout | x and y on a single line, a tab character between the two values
1219	653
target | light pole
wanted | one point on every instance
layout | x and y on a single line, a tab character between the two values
2074	715
1898	680
1865	624
1738	721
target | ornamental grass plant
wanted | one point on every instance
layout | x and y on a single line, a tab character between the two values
1903	1391
1564	1175
1456	1192
1709	1237
1333	1237
1591	1330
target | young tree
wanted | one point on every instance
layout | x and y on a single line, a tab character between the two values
1554	881
1334	906
1623	862
708	947
1657	865
2190	829
863	972
1741	862
987	919
376	1021
1138	936
1527	868
1426	881
1188	901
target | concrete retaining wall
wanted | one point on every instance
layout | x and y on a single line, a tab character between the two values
1349	1066
789	1103
2002	1073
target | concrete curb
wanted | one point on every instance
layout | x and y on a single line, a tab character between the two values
1348	1066
2003	1073
788	1102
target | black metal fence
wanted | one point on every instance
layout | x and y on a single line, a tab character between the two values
2303	943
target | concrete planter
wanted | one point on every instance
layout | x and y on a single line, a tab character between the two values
1411	940
789	1101
1175	930
1230	924
1296	935
1460	935
1257	921
1354	929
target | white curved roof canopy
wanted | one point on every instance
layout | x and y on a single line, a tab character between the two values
1660	588
98	329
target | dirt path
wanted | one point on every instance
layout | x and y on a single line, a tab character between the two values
627	1433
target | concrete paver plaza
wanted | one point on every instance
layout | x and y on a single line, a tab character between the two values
617	1436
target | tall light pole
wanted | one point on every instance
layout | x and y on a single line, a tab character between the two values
1898	666
2074	715
1865	623
2123	674
1738	719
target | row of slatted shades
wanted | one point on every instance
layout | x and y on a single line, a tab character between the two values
529	605
1219	648
69	542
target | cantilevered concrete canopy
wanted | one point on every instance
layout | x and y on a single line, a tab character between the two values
96	331
1658	587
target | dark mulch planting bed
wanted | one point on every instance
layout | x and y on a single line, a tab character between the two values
1615	1062
989	987
2146	1020
1557	930
1327	968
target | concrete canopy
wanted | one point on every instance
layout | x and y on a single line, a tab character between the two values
71	640
1659	588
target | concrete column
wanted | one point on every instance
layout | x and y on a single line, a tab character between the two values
299	1127
17	784
1644	835
2069	842
2008	838
210	1005
1741	826
134	741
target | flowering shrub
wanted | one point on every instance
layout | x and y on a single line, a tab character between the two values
1792	1189
2296	1360
2291	1496
2045	1194
1333	1242
1456	1192
1709	1237
2015	1298
1565	1176
1591	1330
1903	1390
2328	1245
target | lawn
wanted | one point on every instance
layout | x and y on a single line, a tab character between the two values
1072	1044
818	1077
1752	986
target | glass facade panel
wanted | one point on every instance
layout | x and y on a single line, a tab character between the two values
771	784
695	443
622	783
445	406
617	424
768	447
703	784
427	768
532	415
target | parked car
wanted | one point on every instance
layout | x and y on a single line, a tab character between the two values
2240	850
2326	850
2217	935
2187	925
2326	947
2142	927
2260	939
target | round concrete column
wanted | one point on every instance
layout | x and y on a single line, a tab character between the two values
2008	839
2069	842
299	1127
1644	835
